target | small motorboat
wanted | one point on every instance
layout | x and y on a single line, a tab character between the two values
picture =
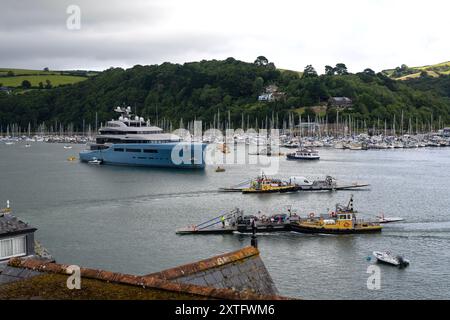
383	219
388	258
71	159
220	169
95	161
67	147
27	145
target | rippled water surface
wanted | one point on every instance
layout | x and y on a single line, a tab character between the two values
124	219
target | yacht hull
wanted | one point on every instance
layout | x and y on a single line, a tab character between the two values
181	155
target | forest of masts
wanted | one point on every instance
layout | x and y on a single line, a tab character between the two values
295	125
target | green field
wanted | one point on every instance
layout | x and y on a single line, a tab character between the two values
300	73
434	70
55	79
19	72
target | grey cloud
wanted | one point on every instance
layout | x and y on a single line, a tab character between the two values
36	15
114	32
62	49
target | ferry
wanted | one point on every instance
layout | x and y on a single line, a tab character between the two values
236	221
304	154
262	223
342	221
132	141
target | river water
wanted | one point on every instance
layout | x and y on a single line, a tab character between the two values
124	219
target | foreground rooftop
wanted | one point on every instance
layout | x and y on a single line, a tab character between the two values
238	275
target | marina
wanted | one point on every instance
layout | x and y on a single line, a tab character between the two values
182	154
83	206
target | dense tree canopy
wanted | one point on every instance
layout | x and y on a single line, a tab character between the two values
200	90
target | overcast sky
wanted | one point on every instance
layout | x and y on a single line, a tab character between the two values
378	34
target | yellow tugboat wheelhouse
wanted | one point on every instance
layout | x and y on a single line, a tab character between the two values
342	221
7	209
263	184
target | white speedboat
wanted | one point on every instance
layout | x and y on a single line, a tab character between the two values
95	161
383	219
67	147
27	145
388	258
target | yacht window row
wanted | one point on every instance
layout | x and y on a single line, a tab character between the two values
135	150
113	132
112	140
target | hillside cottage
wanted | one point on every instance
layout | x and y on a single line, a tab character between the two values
340	102
271	94
5	90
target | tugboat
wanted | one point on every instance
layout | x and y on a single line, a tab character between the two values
303	154
7	209
264	184
342	221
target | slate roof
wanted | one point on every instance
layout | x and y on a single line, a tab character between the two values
10	274
101	284
241	270
10	225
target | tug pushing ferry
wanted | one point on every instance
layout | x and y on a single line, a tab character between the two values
341	221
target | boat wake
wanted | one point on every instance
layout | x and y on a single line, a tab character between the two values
135	199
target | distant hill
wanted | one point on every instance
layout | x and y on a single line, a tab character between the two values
12	77
404	72
227	91
299	73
